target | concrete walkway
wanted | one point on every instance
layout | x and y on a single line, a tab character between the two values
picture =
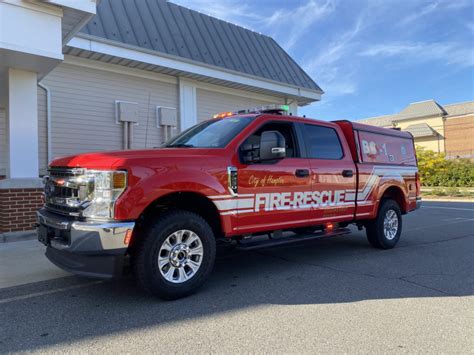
17	236
24	262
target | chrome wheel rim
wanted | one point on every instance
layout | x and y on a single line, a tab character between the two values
180	256
390	224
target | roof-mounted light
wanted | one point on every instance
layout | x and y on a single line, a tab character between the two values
273	108
223	115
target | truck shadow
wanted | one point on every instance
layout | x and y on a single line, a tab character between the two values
326	271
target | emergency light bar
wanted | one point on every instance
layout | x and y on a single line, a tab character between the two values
223	114
273	108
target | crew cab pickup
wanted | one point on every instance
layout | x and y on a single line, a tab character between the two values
233	178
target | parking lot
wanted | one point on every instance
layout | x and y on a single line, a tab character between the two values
328	295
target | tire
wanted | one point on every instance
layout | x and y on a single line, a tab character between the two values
166	256
377	235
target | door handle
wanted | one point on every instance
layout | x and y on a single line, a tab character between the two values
301	173
347	173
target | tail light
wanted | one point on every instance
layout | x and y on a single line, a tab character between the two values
418	183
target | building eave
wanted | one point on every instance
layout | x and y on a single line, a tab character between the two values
183	67
418	117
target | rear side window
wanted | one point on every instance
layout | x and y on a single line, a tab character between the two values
322	143
386	149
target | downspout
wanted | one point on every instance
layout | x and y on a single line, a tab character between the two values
444	134
48	120
125	135
130	135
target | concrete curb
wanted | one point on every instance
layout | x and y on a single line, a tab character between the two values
449	199
11	237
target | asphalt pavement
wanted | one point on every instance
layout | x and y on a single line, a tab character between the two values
330	295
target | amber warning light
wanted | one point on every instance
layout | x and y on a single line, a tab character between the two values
329	227
273	108
128	237
223	115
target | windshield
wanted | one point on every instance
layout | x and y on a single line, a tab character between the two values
210	134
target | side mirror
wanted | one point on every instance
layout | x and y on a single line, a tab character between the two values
272	146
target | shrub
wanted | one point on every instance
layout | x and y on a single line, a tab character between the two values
437	191
436	170
453	191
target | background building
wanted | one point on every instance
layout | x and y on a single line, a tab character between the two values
74	78
445	129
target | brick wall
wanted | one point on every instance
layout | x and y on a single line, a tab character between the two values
18	209
459	132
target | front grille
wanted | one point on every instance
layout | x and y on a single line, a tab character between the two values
64	193
65	172
62	209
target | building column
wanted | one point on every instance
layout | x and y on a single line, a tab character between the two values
187	104
294	108
22	121
20	193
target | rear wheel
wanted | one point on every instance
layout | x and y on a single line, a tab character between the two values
174	255
384	232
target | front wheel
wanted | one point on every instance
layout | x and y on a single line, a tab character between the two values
174	255
384	232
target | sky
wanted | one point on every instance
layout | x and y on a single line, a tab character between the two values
370	57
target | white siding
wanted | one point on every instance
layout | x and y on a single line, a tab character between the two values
3	142
212	102
83	108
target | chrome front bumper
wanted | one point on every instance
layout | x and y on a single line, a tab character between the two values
86	248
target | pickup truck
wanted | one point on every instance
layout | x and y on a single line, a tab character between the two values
239	177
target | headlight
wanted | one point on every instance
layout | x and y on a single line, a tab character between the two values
108	186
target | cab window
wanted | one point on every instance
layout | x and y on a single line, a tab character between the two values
322	142
285	128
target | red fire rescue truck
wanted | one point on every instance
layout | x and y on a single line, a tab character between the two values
235	177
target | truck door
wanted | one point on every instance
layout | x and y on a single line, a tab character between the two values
333	173
273	194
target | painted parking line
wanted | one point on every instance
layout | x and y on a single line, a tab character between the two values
440	225
62	289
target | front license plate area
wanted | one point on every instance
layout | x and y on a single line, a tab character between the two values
43	234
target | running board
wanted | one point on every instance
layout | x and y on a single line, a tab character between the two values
258	244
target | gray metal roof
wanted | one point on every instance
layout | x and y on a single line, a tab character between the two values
459	109
421	109
419	130
171	29
379	121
